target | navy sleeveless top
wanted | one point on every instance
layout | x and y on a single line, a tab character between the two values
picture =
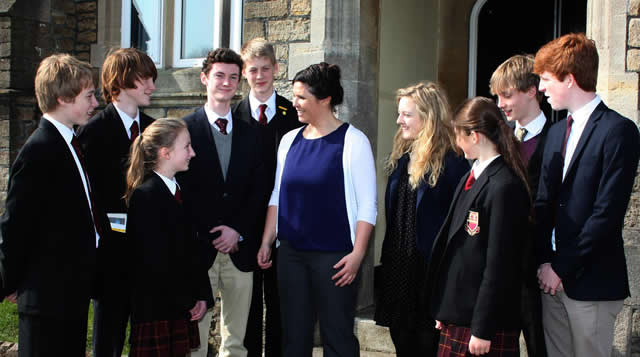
312	211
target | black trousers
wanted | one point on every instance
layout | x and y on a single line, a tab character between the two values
419	342
110	318
267	280
40	336
531	317
307	291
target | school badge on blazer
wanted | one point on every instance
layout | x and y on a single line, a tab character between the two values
284	109
472	227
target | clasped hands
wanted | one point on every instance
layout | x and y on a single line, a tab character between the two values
549	281
227	242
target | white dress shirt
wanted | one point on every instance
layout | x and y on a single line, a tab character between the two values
534	127
127	121
270	112
479	166
213	116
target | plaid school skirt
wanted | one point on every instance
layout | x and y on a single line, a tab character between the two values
454	342
164	338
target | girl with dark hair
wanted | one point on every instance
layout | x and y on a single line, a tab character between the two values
424	170
475	269
170	289
322	210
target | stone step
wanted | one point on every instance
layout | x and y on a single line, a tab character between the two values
317	352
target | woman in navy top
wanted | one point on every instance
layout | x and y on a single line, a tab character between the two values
323	208
424	170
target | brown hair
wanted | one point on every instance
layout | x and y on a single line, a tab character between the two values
61	76
515	73
122	68
570	54
162	133
258	47
435	138
482	115
222	55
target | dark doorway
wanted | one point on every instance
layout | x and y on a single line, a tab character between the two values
507	27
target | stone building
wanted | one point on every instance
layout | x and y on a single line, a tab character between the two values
381	45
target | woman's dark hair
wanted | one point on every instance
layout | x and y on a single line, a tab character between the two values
482	115
323	80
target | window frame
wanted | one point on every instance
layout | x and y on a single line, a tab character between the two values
156	51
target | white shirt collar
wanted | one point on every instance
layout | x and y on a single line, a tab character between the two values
254	103
127	121
581	115
172	184
213	116
66	132
479	167
534	127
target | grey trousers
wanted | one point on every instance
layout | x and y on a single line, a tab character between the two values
575	328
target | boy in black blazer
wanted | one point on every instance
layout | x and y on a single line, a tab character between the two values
516	87
228	194
588	168
273	116
52	225
128	76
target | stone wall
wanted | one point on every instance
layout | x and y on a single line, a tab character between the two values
633	36
29	32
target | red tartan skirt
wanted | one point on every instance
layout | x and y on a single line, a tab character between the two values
164	338
454	342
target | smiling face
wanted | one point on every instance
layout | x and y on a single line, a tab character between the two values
409	119
556	91
181	152
519	106
306	104
221	81
140	95
260	73
78	110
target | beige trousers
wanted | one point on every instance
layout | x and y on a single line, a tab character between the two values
235	292
575	328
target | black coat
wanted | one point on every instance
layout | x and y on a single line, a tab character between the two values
106	148
168	273
238	201
431	203
475	278
587	208
48	243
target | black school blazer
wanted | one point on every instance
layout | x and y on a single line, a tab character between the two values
168	273
48	243
238	201
483	269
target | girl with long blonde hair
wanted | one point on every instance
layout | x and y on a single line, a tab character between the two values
424	170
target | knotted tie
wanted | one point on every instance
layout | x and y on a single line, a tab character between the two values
262	118
470	180
135	131
566	135
76	147
178	195
222	124
521	133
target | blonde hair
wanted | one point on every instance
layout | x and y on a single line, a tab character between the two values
515	73
258	47
61	76
162	133
434	140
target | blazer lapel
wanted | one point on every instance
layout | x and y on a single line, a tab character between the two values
592	123
393	182
469	199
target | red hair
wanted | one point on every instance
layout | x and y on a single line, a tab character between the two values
570	54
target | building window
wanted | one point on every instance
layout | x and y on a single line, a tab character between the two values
142	27
193	28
